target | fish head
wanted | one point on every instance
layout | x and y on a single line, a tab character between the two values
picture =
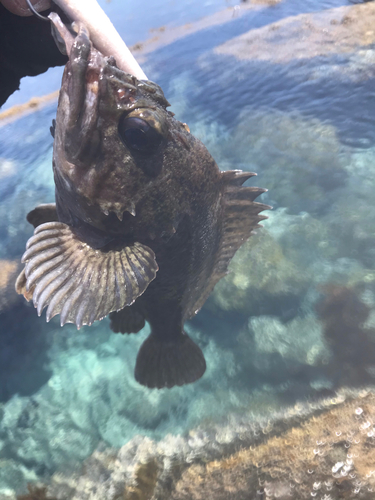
122	162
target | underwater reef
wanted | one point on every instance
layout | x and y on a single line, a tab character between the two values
331	31
324	449
288	334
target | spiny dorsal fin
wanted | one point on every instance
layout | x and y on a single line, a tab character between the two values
240	216
236	177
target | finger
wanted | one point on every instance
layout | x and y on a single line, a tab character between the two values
20	7
102	33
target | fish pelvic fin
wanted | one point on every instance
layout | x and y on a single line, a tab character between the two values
42	214
128	320
79	283
163	363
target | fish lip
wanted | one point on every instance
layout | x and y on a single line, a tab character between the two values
63	33
120	213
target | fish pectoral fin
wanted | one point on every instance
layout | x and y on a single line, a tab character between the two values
166	364
20	286
42	214
128	320
78	282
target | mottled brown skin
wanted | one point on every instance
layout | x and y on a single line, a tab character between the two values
176	209
175	191
170	197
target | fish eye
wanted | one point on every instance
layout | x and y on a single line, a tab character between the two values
138	135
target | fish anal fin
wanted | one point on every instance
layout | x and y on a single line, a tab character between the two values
82	284
42	214
163	363
240	216
128	320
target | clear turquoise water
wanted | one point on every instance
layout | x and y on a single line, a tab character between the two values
308	130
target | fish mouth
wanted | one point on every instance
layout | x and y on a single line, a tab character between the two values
87	76
119	212
64	39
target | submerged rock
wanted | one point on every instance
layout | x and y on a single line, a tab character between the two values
277	145
261	279
9	270
334	31
14	478
351	217
349	333
299	341
330	455
35	493
272	273
325	449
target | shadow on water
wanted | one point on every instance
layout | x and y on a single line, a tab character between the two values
184	52
332	88
305	86
226	85
23	348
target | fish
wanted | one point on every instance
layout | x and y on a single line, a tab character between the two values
144	222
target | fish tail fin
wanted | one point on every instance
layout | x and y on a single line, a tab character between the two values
163	363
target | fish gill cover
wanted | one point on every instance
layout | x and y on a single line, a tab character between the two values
293	321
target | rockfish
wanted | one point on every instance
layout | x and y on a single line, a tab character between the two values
144	224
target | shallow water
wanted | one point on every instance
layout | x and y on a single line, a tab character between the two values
293	322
